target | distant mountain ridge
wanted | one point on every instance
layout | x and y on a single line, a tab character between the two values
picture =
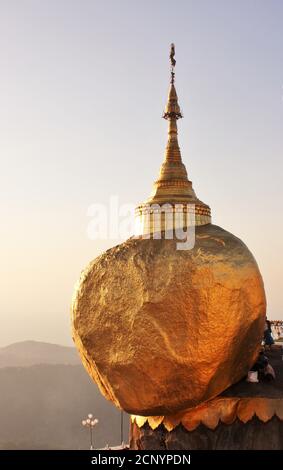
42	407
45	394
30	353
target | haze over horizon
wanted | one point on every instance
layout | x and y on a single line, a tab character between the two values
83	87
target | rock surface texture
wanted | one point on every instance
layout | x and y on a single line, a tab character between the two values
161	329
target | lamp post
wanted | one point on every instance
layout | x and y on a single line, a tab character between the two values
90	423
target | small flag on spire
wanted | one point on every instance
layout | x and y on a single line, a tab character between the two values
172	54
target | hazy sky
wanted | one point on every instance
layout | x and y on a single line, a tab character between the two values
82	87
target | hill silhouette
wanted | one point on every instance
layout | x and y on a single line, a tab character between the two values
29	353
42	405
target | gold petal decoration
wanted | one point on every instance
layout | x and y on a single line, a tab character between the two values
224	410
155	421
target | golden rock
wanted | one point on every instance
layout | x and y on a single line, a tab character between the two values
160	329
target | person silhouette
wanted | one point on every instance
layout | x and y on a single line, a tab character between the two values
267	335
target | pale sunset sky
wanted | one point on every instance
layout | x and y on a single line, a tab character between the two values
83	85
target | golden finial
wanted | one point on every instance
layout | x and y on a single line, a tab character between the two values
172	110
173	62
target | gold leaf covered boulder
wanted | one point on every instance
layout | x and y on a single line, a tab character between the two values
160	329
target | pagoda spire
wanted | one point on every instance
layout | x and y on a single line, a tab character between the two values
172	113
172	185
173	179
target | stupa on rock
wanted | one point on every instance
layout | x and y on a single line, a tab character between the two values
172	191
161	330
